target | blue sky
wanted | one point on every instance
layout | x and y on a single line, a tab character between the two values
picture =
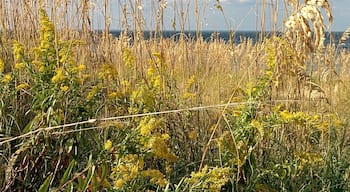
245	11
239	14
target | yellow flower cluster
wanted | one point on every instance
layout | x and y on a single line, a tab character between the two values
156	177
94	90
286	115
64	54
79	68
2	66
192	135
159	57
211	179
145	96
155	142
121	92
59	77
147	125
258	126
312	121
125	87
188	93
38	65
108	145
157	82
18	51
271	54
126	170
150	71
19	66
159	147
7	78
154	80
128	58
64	88
22	86
294	116
47	31
107	72
309	159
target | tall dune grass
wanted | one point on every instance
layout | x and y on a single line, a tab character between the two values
82	110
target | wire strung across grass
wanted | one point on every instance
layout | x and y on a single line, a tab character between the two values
91	121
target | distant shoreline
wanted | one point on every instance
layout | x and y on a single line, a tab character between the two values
225	35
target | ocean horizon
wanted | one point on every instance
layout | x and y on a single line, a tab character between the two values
238	36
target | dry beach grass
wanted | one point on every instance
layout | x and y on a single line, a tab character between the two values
82	110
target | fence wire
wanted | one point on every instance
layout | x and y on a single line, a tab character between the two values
93	121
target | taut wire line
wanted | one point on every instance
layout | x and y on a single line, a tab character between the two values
92	121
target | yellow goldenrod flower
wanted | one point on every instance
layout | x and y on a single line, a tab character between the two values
92	93
188	95
237	113
18	50
38	65
59	77
42	69
19	66
134	171
108	145
210	179
150	72
259	127
64	88
113	95
123	168
192	135
157	82
22	86
7	78
81	67
160	149
338	123
316	117
128	58
147	125
190	82
64	58
2	66
269	74
125	86
119	183
286	115
107	72
324	126
155	176
159	57
165	136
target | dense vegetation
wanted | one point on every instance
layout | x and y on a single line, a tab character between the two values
86	111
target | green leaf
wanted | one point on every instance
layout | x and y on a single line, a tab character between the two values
88	178
45	186
89	175
179	185
67	173
69	188
80	184
104	171
33	123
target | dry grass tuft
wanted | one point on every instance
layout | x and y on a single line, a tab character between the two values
344	37
291	124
